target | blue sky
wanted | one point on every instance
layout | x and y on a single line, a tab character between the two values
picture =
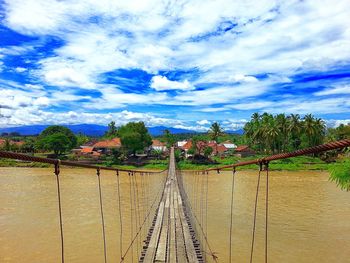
175	63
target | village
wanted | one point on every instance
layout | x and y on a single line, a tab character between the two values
97	149
100	150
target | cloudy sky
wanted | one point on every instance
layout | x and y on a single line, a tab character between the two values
175	63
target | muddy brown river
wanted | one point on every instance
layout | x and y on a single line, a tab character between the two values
309	217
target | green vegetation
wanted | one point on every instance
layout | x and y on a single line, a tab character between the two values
134	137
56	138
267	133
339	133
169	138
112	131
82	139
340	174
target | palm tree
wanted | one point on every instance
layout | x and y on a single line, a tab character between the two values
272	134
282	125
294	127
319	131
215	131
309	128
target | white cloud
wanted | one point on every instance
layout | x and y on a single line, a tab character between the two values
160	83
20	69
28	116
334	91
335	123
227	44
58	72
198	128
243	78
203	122
223	94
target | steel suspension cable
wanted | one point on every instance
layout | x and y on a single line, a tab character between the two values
131	218
158	194
202	203
136	205
57	173
266	211
254	216
231	220
102	216
143	213
206	207
120	218
212	253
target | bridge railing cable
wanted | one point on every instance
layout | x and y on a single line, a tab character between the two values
29	158
191	192
140	221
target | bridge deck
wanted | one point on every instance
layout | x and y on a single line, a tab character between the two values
171	239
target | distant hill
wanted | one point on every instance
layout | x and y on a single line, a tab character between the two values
96	130
158	130
87	129
240	132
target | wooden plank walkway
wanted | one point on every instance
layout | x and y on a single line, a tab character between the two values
170	238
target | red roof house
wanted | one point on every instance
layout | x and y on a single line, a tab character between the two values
243	151
158	145
106	146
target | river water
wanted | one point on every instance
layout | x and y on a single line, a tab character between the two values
309	217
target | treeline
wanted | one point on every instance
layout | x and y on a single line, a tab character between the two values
280	133
269	133
134	137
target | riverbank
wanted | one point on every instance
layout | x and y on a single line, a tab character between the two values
292	164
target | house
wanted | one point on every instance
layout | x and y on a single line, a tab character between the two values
229	145
106	146
181	143
18	144
185	147
87	150
158	146
89	144
243	151
218	149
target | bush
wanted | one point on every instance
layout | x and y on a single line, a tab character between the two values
340	174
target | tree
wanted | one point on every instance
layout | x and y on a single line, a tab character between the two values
112	130
57	142
82	139
309	128
134	136
62	130
279	133
208	151
57	139
295	127
215	131
28	146
169	138
7	146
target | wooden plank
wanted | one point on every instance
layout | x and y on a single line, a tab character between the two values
171	239
172	236
152	246
190	251
162	246
180	241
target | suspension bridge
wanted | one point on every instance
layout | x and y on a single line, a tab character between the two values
168	219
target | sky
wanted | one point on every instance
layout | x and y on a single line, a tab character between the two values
181	63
